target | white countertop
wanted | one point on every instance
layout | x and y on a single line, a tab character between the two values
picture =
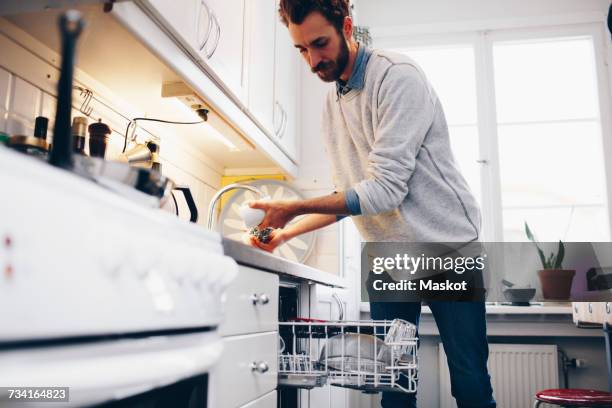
257	258
536	309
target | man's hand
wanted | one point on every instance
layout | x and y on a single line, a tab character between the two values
278	213
277	237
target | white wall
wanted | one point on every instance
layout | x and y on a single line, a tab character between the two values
385	13
314	177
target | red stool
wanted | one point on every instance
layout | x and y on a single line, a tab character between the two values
574	398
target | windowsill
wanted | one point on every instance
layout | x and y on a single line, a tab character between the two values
535	309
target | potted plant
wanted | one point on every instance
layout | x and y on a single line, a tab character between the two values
556	282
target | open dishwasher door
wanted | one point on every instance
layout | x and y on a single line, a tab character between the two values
367	355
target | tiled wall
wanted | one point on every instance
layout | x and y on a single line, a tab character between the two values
21	102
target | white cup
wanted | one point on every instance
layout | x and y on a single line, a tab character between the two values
252	216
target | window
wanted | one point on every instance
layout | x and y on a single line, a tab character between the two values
456	90
525	127
549	137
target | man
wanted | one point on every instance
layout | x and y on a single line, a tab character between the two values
387	140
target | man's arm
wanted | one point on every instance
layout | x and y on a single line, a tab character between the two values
307	224
279	213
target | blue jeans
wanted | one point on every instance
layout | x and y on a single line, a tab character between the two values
462	328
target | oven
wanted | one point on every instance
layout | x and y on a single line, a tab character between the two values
116	301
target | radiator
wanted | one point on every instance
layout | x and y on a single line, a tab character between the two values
517	372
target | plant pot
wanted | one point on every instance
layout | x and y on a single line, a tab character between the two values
556	283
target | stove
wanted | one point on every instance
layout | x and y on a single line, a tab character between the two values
118	301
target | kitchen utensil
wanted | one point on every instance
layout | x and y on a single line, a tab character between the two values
36	145
71	24
79	131
519	296
98	138
251	216
355	352
231	223
173	206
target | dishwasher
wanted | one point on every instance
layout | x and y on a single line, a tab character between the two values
366	355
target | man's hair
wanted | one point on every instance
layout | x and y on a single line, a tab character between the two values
296	11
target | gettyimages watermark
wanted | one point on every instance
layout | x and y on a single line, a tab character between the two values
514	272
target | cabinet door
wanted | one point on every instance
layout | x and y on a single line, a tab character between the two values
261	15
286	92
221	30
179	17
330	304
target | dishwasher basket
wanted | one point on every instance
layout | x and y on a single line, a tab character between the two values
369	355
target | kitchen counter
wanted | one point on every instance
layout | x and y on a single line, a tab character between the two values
496	309
256	258
548	320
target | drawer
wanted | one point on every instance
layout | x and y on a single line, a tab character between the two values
247	370
592	313
252	303
267	401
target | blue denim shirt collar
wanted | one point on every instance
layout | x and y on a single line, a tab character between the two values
357	78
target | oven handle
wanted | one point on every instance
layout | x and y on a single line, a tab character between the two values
114	370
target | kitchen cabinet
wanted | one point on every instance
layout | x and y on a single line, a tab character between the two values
212	31
286	92
246	371
222	50
589	313
179	17
260	16
267	401
330	304
250	339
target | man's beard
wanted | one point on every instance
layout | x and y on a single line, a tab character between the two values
330	71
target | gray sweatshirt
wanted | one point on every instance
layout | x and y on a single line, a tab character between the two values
387	141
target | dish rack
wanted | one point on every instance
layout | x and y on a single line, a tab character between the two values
367	355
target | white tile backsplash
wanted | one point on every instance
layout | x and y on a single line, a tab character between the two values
3	118
25	99
24	102
5	87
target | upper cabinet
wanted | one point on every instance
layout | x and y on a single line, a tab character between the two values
212	31
260	63
245	47
179	17
286	91
221	37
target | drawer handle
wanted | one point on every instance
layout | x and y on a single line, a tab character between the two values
262	299
608	307
590	308
259	366
576	308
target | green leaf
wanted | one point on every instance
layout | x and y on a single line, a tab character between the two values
541	254
550	260
560	255
528	233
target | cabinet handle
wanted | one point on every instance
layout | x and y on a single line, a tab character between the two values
205	40
262	299
259	366
340	306
217	39
590	308
575	308
607	307
283	123
278	128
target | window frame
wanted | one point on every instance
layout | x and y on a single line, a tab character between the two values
482	42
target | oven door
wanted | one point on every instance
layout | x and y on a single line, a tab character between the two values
150	371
